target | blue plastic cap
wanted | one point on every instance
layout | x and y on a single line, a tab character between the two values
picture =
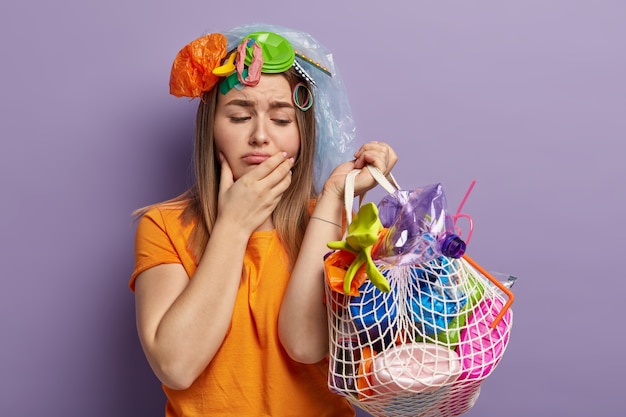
453	246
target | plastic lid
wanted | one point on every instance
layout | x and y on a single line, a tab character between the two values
278	54
453	246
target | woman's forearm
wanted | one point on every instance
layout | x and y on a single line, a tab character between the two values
302	323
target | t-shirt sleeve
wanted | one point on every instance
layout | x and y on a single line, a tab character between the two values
153	245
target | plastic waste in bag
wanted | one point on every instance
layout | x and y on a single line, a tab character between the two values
436	296
419	227
347	355
375	315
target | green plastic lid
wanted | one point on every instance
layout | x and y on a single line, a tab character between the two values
278	54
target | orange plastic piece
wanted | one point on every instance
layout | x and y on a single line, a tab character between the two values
192	70
335	267
365	370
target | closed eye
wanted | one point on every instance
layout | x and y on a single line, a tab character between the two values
282	121
239	119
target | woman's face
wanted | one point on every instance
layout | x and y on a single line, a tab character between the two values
254	123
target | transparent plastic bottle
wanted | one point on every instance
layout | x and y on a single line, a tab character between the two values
419	227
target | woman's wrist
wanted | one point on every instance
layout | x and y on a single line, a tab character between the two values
326	221
235	231
331	192
329	209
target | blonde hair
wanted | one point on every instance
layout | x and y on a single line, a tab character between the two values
200	201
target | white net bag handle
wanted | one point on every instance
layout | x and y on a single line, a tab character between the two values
390	185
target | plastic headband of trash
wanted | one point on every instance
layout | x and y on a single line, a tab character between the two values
199	66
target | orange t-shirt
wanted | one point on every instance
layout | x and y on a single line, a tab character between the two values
251	374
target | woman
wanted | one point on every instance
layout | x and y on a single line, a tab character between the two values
229	276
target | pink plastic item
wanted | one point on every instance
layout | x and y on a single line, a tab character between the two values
414	367
480	346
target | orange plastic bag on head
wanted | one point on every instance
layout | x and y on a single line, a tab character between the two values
192	70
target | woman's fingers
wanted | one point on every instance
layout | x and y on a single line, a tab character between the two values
226	175
270	178
377	154
252	198
275	168
278	172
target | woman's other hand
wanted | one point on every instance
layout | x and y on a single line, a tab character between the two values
378	154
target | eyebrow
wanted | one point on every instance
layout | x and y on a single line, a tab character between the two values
250	103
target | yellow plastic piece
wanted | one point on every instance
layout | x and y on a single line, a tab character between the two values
227	68
362	234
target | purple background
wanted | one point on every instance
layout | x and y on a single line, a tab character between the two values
527	97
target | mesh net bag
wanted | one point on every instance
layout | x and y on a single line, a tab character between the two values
412	339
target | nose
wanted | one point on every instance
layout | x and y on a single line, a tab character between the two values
259	135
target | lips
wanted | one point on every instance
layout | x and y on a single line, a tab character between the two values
255	157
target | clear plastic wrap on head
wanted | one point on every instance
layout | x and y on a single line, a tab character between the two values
333	116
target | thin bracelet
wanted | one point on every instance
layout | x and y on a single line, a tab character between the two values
327	221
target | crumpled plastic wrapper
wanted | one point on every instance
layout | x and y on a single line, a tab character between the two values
192	70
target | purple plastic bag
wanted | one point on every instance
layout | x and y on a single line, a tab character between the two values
420	229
